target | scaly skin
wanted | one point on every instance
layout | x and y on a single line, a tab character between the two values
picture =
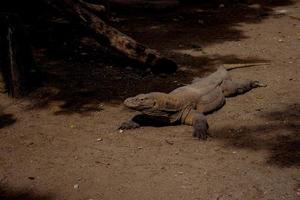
189	104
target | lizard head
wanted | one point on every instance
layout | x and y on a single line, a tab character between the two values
142	102
154	104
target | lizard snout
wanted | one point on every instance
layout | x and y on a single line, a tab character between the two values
129	102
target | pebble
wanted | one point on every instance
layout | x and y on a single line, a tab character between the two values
76	186
281	12
121	131
255	6
200	21
169	142
99	139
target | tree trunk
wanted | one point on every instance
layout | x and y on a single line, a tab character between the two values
111	37
16	61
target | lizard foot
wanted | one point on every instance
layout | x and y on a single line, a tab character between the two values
129	125
200	129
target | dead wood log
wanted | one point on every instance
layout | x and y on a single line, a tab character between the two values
16	60
122	43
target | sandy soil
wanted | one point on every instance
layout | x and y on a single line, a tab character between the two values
62	142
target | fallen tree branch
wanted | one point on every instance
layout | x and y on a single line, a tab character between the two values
124	44
97	9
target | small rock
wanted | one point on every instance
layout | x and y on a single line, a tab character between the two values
169	142
221	6
281	12
118	78
121	131
200	21
255	6
76	186
99	139
31	178
280	40
30	144
140	147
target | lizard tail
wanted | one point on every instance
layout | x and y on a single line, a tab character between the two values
229	67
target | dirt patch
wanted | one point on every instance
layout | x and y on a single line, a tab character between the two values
62	142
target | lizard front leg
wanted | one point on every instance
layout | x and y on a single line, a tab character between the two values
143	120
130	124
199	123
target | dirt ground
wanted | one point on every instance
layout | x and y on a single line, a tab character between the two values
62	141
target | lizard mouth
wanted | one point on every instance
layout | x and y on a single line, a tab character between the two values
138	104
129	102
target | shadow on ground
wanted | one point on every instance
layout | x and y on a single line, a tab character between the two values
79	73
280	136
7	193
7	120
203	23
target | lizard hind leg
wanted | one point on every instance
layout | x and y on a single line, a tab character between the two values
233	88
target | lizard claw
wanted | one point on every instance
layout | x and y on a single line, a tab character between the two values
256	84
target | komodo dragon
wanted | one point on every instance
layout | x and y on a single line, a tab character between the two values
189	104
